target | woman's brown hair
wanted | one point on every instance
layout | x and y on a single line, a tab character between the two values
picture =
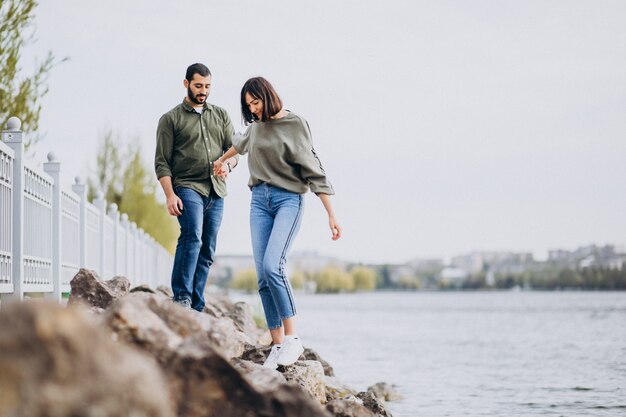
261	89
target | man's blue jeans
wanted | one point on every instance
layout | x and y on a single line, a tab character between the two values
275	216
199	223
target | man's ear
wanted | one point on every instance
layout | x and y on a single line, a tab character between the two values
186	83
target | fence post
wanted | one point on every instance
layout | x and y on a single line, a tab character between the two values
134	254
100	203
14	137
115	216
80	189
126	226
53	168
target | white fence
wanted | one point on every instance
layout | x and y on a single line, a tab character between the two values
47	233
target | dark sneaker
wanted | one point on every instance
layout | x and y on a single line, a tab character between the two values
183	302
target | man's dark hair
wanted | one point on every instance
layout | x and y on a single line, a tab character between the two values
261	89
197	68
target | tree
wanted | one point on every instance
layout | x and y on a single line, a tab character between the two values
127	183
20	96
333	279
139	202
297	280
245	281
364	278
109	170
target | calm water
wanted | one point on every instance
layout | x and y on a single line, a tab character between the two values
477	354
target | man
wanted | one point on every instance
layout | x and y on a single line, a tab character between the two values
189	138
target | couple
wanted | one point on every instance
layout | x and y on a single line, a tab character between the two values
196	150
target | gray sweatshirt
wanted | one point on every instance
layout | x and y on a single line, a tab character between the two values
281	154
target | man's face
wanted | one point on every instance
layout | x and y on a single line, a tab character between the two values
198	89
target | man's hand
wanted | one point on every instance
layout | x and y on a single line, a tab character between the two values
174	205
220	169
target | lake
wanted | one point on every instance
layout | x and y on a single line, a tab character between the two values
476	353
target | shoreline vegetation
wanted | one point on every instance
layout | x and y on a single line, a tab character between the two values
336	279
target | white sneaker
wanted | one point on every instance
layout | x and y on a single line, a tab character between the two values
290	351
271	361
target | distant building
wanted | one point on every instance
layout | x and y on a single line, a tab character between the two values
312	262
607	256
453	276
492	261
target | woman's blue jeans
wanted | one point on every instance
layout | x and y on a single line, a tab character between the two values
199	223
275	216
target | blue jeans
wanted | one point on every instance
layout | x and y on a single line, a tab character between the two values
275	216
199	223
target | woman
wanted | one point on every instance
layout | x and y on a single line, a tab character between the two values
283	166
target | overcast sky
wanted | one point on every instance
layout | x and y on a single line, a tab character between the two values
445	126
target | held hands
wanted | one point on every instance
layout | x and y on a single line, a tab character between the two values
220	169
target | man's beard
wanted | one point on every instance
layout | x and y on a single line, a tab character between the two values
194	99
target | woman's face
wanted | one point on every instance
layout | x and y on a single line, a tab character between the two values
255	105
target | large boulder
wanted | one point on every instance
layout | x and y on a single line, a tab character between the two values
273	384
161	326
241	314
192	349
309	375
87	288
57	361
217	305
311	355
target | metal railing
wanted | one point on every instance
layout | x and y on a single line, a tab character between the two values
48	233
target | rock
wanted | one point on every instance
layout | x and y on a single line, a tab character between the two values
160	326
335	389
311	355
255	353
272	383
348	408
241	314
373	404
216	305
87	288
263	379
384	391
143	288
167	291
309	375
57	361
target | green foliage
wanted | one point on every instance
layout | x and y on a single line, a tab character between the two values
20	96
552	277
333	279
364	278
297	280
408	283
126	182
110	170
245	281
384	277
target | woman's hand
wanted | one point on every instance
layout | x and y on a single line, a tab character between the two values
334	228
218	168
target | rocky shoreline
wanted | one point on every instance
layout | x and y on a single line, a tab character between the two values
114	351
